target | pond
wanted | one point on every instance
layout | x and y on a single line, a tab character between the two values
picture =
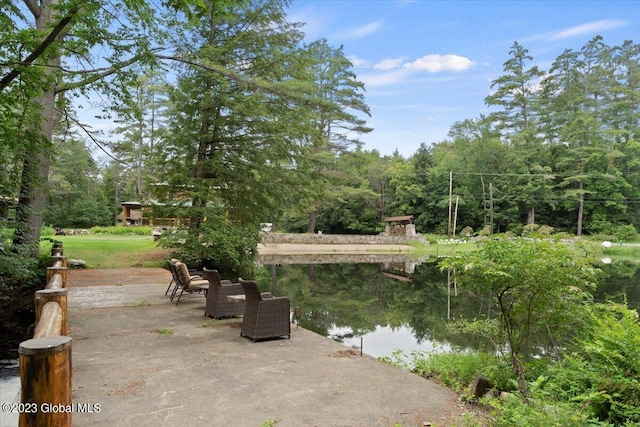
379	303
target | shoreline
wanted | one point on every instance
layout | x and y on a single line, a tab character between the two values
347	248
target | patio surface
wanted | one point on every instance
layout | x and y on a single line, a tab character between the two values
146	361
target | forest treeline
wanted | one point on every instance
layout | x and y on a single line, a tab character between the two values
559	149
226	112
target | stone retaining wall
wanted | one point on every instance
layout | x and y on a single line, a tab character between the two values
368	258
340	239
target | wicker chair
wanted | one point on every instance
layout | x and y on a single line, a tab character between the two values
265	316
217	304
186	282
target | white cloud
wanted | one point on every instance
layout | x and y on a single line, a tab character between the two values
384	79
389	64
438	63
579	30
358	62
362	31
589	28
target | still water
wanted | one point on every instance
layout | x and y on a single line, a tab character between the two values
378	304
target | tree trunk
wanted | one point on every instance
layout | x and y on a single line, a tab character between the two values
35	173
580	209
312	221
519	371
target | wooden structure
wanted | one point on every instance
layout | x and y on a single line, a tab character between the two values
132	214
399	226
45	360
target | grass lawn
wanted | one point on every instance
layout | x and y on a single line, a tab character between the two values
109	251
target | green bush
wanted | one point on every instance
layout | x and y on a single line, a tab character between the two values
121	230
455	370
47	231
466	232
512	412
219	244
20	278
603	374
626	233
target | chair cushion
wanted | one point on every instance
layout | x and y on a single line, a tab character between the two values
183	273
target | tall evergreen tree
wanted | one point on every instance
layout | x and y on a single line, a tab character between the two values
232	143
516	94
337	121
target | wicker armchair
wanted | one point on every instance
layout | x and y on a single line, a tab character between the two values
265	316
217	304
186	282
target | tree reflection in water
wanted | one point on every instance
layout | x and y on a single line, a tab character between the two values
394	302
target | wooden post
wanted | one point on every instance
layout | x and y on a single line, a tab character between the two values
61	259
45	375
56	249
50	323
57	270
52	295
55	282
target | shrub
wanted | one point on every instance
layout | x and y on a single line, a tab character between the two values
485	231
20	278
626	232
511	412
220	244
121	230
466	232
455	370
603	375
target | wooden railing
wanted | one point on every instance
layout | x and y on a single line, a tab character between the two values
45	360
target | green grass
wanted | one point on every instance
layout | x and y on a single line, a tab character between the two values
622	253
109	251
165	331
142	303
437	249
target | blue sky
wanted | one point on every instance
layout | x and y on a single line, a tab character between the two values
428	64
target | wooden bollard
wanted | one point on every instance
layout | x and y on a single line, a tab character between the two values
57	270
49	321
56	249
45	375
55	282
58	260
44	296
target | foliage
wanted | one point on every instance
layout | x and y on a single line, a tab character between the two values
20	278
337	124
456	370
231	144
626	232
538	289
511	412
19	273
119	230
37	94
222	245
75	197
603	374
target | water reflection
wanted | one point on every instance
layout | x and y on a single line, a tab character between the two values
394	302
391	302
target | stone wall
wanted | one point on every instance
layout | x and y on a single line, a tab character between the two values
340	239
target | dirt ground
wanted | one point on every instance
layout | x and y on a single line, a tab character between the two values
117	276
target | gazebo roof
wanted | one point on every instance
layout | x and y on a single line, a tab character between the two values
407	218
